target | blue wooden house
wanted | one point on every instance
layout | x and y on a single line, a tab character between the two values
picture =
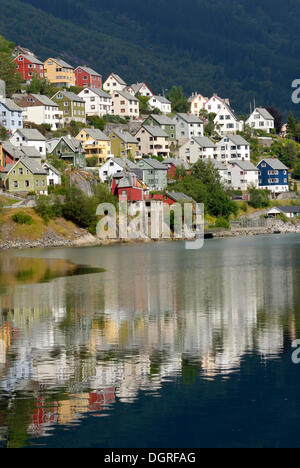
273	175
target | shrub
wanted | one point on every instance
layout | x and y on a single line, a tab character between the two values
22	218
48	209
222	223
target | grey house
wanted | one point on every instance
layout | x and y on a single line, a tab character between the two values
154	174
188	126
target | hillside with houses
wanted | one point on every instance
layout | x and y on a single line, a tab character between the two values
72	133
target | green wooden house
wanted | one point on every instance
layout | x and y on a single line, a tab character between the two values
164	122
72	106
26	175
69	149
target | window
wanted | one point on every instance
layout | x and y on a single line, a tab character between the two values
27	183
16	184
20	170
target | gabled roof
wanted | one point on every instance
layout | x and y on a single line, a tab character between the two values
53	169
10	105
123	163
189	118
179	197
245	165
97	91
127	95
61	62
176	163
204	142
117	78
275	164
238	140
155	131
31	58
45	100
161	119
125	136
30	152
31	164
161	99
154	163
89	71
31	134
229	109
264	113
95	133
69	95
288	209
217	164
137	86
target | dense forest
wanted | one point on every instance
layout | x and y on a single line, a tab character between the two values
237	48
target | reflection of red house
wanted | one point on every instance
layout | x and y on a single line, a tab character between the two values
28	65
126	185
101	398
86	77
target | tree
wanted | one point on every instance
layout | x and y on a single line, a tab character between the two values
143	102
40	86
278	119
8	73
178	101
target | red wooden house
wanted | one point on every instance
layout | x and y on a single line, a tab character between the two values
126	185
86	77
28	66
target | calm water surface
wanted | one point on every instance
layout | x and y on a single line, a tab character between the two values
151	345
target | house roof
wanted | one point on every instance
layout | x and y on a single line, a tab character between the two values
218	164
10	105
161	99
53	169
72	142
127	95
31	164
69	95
99	92
17	152
161	119
125	136
154	163
264	113
179	197
275	164
30	152
31	58
176	163
89	70
31	134
237	140
123	163
204	142
154	131
288	209
137	86
117	78
44	100
96	134
245	165
62	63
189	118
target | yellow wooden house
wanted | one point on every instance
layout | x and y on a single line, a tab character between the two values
124	145
59	72
95	143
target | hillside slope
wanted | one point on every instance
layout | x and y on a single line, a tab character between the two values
238	48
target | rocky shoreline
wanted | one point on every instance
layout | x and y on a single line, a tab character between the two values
85	239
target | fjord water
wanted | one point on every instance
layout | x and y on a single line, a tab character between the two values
151	345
